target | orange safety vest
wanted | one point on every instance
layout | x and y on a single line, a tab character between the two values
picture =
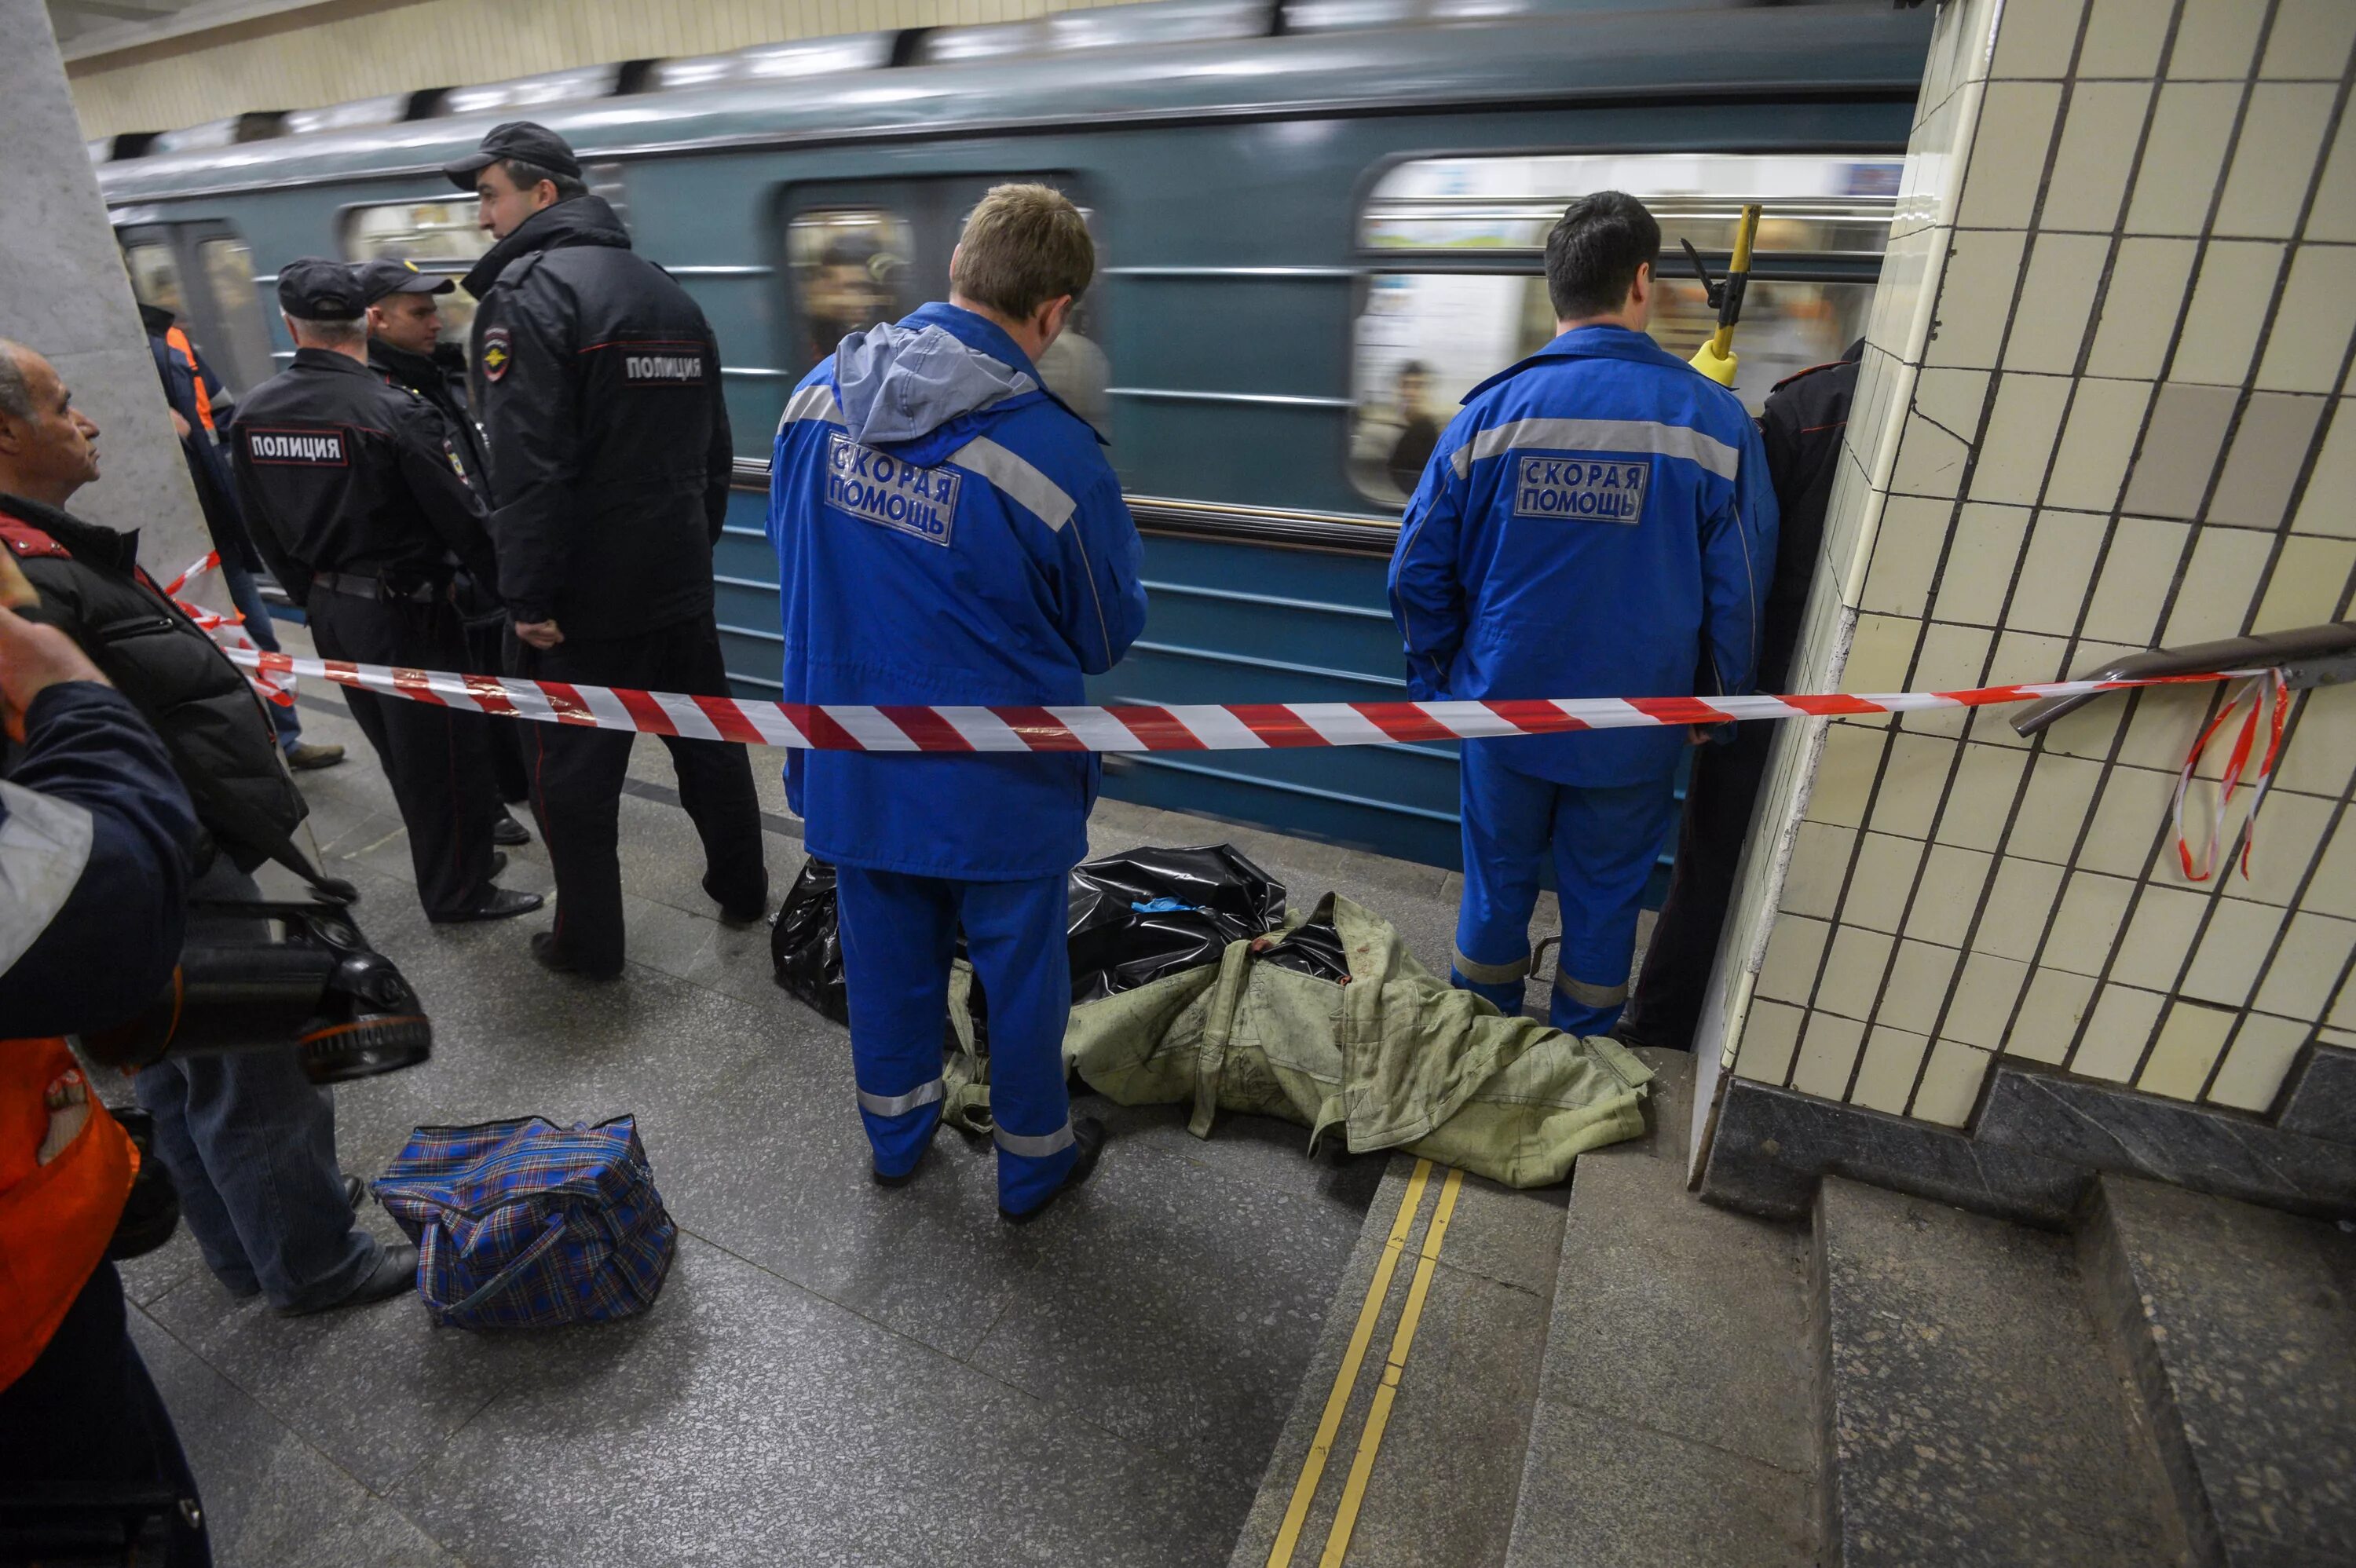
179	340
55	1218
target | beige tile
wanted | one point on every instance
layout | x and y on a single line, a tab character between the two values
1795	948
2129	818
1928	461
1950	1084
2218	584
2282	135
2234	282
1845	774
1906	549
2124	38
2099	133
1885	1079
2328	506
1975	297
1986	783
2179	450
2024	894
1953	880
2092	907
2149	277
2305	970
2159	935
2050	1016
2015	125
2313	323
1980	560
1769	1033
2105	418
1911	783
2257	1061
1951	660
2138	572
2057	301
2189	1045
2310	580
2019	439
2309	39
2037	41
2333	214
2291	832
2167	719
2232	950
2058	571
1882	882
2342	1015
1984	998
2088	732
1853	970
2027	656
2181	158
1918	985
1881	654
1828	1044
2216	39
2320	753
1820	857
2060	795
2269	451
2116	1032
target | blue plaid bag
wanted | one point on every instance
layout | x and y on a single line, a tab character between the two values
525	1224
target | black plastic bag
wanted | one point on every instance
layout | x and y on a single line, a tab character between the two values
1144	913
806	945
1315	949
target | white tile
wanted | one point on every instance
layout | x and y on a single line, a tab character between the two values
2232	950
2100	130
1882	882
2218	585
1795	948
2129	818
2137	572
1986	783
2216	39
1885	1079
1950	1084
1984	999
2059	569
2282	127
2311	327
2189	1045
1769	1033
2024	894
2328	505
1975	297
1953	880
1820	855
2057	301
2311	578
2257	1062
2037	41
2050	1013
2309	39
2021	434
1971	590
2182	153
1828	1045
2159	937
2087	924
1917	989
1912	782
2149	279
2116	1033
2124	38
2307	968
2229	304
1853	970
2008	160
2333	214
2319	755
1907	544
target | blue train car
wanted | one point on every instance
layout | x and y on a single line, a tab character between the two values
1319	220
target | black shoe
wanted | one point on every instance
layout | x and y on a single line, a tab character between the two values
1088	1139
550	954
757	910
355	1193
908	1175
499	861
507	830
395	1272
499	903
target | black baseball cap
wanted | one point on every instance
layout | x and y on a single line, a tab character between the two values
516	139
315	289
391	275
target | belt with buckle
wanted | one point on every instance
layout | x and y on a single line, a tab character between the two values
372	588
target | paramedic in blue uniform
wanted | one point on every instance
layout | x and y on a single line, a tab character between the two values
949	532
1596	522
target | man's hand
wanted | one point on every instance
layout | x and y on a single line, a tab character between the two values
542	635
34	658
179	422
1700	734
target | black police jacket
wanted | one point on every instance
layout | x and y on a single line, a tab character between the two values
440	378
221	741
1803	424
341	472
597	382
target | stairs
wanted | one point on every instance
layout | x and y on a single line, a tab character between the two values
1632	1377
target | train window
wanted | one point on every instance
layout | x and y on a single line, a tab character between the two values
1460	292
154	275
228	267
851	267
438	236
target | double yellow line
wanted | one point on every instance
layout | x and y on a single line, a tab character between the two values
1337	1401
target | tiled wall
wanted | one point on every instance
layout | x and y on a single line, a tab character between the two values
2102	408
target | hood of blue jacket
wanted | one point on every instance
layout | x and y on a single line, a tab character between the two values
901	381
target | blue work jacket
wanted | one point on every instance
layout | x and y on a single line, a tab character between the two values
947	532
1596	522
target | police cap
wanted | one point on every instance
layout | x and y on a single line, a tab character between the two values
315	289
516	139
391	275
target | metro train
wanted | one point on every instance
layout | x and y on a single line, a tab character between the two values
1319	222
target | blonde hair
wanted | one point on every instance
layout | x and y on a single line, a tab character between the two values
1022	246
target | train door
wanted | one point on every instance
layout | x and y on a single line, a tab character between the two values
203	274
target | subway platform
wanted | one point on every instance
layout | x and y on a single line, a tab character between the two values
835	1373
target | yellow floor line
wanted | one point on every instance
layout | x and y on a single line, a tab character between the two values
1370	1440
1329	1425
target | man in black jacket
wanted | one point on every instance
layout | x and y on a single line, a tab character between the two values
598	383
1804	420
359	490
405	348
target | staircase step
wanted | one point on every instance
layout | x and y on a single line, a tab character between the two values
1973	1413
1672	1424
2241	1325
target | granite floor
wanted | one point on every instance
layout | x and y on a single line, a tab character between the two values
835	1373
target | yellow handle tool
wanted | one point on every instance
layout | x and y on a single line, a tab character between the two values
1716	358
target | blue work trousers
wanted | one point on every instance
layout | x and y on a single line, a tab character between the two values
246	594
1604	842
899	934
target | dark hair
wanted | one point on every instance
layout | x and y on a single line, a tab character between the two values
1593	252
1414	367
524	176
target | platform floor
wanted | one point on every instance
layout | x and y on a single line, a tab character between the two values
835	1373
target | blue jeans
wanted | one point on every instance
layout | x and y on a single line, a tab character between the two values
251	1143
246	594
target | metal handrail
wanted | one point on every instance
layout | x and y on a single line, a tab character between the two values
2308	655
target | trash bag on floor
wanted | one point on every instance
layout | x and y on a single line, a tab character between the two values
805	945
1147	912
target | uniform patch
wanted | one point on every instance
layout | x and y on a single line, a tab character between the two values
317	448
883	490
497	355
1580	489
663	370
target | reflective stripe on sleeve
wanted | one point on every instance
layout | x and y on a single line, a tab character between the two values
900	1104
1016	478
1598	435
1588	996
45	845
1481	974
1038	1148
815	403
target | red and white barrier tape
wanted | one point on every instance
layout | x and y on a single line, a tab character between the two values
229	631
2253	692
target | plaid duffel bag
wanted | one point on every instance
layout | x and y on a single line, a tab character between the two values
525	1224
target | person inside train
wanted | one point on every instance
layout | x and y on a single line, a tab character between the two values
1597	521
1418	427
949	532
846	292
597	380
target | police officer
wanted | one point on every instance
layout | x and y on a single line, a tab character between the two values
949	532
405	348
1596	522
1804	420
364	511
599	384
